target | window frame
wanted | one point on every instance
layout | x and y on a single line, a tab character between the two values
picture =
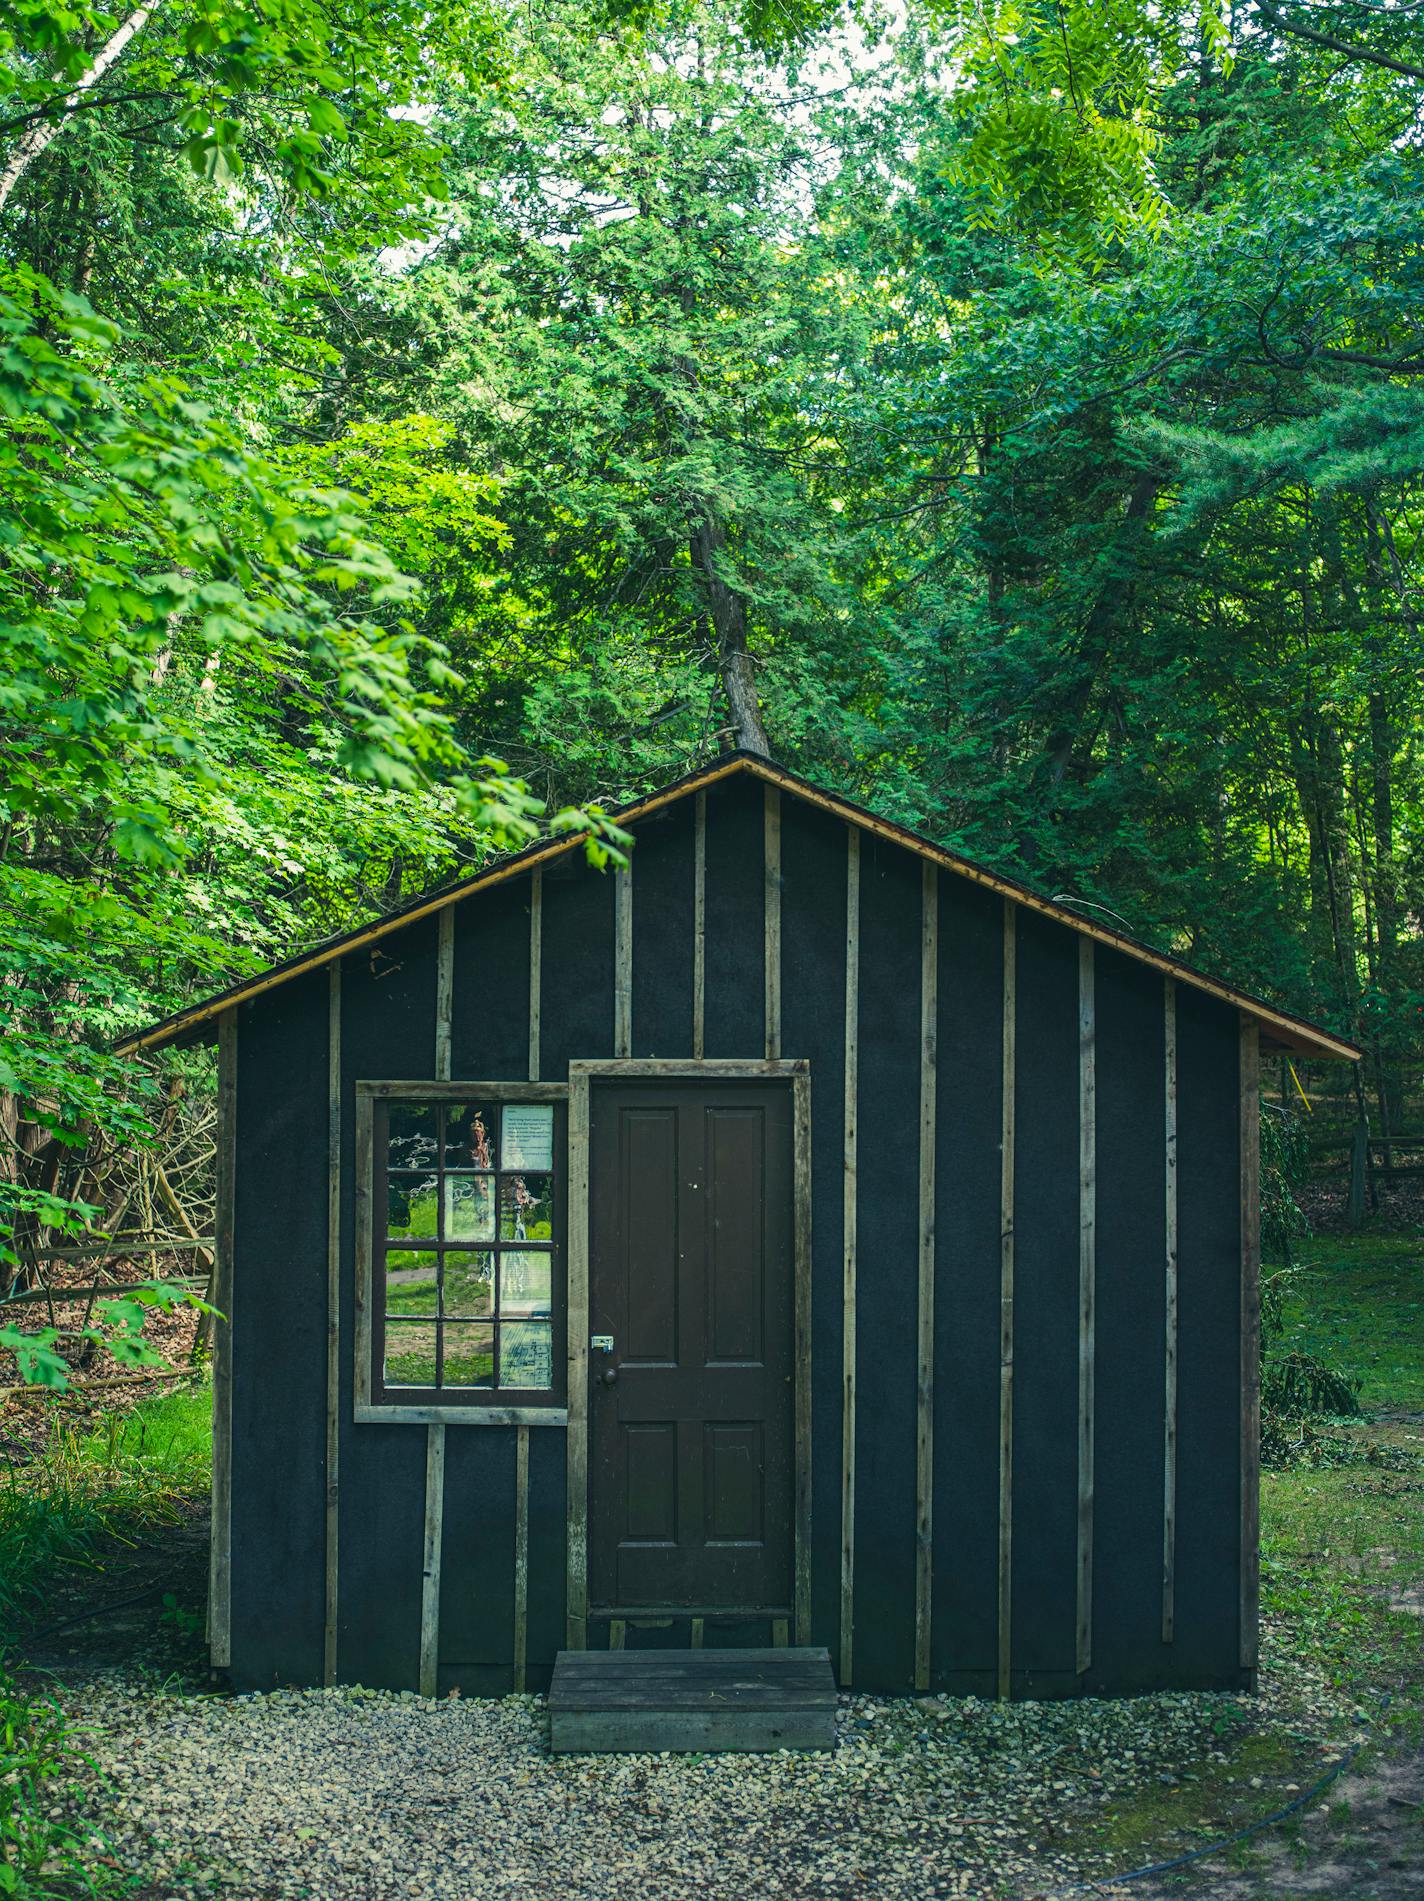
524	1408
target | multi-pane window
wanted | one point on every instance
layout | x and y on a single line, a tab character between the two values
465	1246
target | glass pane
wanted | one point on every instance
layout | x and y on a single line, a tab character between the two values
412	1288
410	1207
412	1136
469	1353
526	1208
469	1207
469	1136
526	1281
410	1353
527	1135
526	1353
469	1285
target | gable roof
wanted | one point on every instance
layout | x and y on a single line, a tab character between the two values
1280	1028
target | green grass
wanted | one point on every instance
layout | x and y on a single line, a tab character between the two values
130	1471
1358	1301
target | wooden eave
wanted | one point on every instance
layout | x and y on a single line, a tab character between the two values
1280	1029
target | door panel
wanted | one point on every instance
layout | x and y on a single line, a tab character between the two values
690	1271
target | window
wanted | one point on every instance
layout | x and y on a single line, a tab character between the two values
465	1251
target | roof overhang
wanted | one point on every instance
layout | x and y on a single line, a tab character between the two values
1280	1029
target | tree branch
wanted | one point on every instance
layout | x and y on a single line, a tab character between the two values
1338	46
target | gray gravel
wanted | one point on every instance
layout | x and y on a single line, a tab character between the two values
350	1795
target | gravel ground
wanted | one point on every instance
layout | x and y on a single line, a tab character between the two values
350	1795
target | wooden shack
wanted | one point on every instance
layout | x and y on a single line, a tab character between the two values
804	1236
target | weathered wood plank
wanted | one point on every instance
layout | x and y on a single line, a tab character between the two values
771	826
848	1282
220	1546
1006	1305
699	927
361	1192
536	959
801	1110
430	1564
1087	1286
428	1091
333	1324
576	1437
698	1632
521	1556
617	1633
1169	1366
693	1700
623	961
731	1068
444	991
1250	1343
924	1381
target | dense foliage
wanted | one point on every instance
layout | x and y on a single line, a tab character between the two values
418	418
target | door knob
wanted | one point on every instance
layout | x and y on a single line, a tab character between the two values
609	1376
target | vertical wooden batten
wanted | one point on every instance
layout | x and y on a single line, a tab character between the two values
576	1433
772	916
924	1381
848	1279
435	1432
536	952
333	1321
220	1548
521	1556
521	1433
1169	1363
430	1568
801	1198
1250	1138
623	961
699	927
1087	1286
1006	1305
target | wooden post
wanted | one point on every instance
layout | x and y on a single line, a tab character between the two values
220	1547
576	1434
1087	1286
924	1381
771	827
521	1556
699	926
333	1321
1006	1306
1250	1344
848	1291
1169	1369
430	1570
536	948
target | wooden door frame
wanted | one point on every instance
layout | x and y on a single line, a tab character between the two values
677	1069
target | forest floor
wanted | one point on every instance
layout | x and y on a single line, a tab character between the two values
353	1796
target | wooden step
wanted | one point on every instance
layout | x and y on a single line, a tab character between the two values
685	1700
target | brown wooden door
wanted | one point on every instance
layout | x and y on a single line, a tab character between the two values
691	1412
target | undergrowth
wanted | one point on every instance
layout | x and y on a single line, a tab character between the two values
42	1858
126	1473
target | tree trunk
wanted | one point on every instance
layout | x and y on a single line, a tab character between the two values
33	142
728	612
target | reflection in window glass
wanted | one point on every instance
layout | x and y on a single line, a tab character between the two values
469	1207
469	1353
412	1285
526	1208
469	1285
410	1353
412	1136
525	1281
469	1136
410	1207
526	1353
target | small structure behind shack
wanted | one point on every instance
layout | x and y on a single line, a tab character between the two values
802	1237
